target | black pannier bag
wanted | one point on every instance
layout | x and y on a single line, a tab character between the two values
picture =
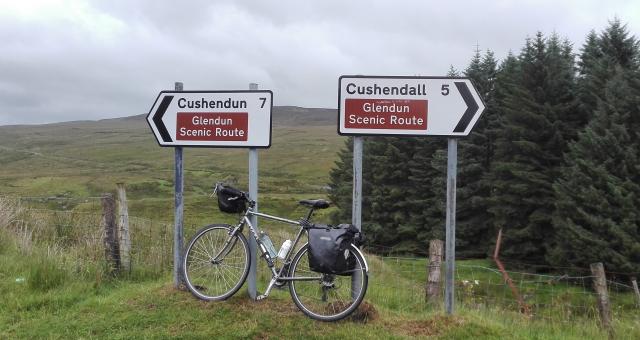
328	246
230	200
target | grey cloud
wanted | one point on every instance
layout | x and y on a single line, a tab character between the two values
113	63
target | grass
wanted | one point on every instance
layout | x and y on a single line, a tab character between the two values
85	159
152	309
46	295
52	273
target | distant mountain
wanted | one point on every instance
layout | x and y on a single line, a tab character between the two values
282	116
85	158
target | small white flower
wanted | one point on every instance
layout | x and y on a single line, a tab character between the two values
476	282
465	282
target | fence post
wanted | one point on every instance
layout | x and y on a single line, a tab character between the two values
111	247
123	228
433	272
600	285
634	282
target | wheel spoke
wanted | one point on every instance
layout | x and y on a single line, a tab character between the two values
215	280
330	298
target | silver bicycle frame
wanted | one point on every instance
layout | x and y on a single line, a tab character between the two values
276	275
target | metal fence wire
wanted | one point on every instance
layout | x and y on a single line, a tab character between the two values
79	235
395	283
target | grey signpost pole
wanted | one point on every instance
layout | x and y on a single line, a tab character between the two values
172	124
356	210
450	232
253	192
454	107
178	232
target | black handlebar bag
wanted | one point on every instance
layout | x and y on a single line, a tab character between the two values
230	200
328	249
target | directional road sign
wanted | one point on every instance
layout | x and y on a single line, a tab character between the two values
407	106
212	118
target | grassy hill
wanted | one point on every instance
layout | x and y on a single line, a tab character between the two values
87	158
52	278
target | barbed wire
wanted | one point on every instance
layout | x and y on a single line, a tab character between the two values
397	282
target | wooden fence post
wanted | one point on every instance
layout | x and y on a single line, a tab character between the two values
111	247
600	285
634	282
123	228
433	292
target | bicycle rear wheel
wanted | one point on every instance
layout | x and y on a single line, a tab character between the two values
215	264
327	297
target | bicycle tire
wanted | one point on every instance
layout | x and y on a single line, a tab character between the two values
320	300
215	280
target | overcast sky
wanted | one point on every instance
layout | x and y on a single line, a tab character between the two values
66	60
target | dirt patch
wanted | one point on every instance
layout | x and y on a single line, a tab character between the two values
434	326
364	313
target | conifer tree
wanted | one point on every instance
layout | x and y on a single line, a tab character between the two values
474	225
601	54
389	199
529	147
341	182
426	193
598	194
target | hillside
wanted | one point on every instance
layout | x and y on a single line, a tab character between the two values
87	158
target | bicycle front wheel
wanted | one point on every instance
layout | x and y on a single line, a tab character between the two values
216	264
327	297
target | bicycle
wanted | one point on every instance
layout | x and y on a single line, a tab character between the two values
216	262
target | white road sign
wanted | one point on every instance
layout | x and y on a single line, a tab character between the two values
408	106
212	118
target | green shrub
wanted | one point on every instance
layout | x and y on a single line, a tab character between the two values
45	274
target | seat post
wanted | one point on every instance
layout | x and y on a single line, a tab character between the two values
310	213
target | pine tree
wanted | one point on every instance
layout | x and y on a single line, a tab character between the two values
389	202
601	54
598	194
474	224
530	146
506	88
426	193
341	182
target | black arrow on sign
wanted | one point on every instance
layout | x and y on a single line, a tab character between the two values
157	119
472	107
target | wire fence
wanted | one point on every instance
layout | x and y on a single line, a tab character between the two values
479	284
395	283
79	234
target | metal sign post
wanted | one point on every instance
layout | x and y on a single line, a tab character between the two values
410	106
253	192
178	231
217	119
450	232
356	210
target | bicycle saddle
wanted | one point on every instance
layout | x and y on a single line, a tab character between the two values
317	204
